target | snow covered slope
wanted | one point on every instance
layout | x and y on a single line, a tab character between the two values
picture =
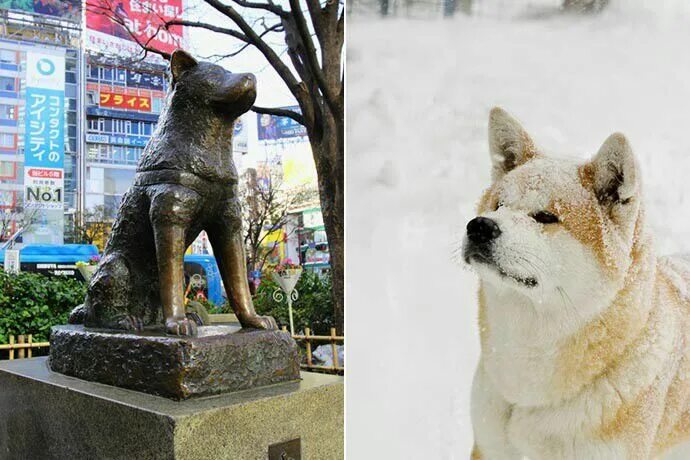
419	94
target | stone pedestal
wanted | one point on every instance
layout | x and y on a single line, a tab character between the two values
220	359
48	415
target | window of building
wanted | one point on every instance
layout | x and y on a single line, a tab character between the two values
119	126
92	98
117	181
7	140
92	72
156	104
120	76
7	169
8	84
119	154
7	112
8	56
92	152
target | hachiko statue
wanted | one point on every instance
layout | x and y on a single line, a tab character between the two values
186	182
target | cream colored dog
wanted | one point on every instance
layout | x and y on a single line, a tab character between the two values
583	329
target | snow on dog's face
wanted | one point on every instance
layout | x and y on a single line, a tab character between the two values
554	230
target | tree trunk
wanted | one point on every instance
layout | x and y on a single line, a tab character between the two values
328	153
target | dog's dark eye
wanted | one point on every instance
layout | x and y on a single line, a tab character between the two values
498	205
545	217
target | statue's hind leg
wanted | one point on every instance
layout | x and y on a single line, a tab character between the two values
112	296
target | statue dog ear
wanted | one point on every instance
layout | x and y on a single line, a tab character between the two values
180	62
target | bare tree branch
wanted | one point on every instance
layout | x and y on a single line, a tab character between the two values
204	25
310	54
268	52
272	7
280	113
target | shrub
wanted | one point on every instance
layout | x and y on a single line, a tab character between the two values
313	308
31	303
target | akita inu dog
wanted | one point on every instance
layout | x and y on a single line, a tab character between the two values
583	329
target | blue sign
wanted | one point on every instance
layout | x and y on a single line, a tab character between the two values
99	112
44	129
144	80
135	141
271	127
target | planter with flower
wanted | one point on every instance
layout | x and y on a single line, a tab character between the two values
286	274
87	269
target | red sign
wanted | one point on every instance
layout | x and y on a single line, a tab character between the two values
145	19
45	173
124	101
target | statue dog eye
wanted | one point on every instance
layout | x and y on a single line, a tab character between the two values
545	217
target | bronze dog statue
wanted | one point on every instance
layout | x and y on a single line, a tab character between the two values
186	182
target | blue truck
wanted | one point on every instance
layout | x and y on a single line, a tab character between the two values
61	260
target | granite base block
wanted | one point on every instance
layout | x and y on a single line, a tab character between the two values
48	415
220	359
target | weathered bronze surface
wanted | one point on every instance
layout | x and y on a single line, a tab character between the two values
186	182
219	359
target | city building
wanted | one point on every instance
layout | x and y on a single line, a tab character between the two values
39	123
123	102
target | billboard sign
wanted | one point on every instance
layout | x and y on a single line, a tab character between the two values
142	18
44	137
124	101
134	141
239	136
65	9
272	127
145	80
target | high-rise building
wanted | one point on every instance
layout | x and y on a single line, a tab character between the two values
39	122
123	101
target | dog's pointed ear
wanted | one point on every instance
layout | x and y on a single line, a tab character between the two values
181	61
613	171
509	143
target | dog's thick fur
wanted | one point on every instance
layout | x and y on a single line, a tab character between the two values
583	328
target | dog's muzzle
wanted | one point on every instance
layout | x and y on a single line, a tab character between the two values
481	233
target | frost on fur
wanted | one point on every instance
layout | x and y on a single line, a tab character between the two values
582	327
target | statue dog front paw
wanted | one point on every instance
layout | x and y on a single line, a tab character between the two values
181	326
259	322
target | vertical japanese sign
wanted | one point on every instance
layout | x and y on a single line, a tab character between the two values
44	136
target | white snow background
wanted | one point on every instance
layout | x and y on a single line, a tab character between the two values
419	94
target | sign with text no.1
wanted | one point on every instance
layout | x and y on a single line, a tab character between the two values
44	138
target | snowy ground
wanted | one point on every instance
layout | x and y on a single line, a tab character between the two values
419	94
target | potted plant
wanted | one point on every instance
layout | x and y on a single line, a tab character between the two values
286	274
87	269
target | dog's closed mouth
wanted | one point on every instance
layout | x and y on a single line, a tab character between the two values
525	281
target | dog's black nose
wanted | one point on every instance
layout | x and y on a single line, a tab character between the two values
482	230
